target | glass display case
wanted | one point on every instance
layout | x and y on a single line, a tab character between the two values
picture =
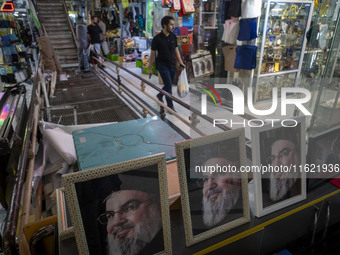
326	106
208	14
318	53
282	32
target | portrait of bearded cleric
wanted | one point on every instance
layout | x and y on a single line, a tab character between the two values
121	213
282	151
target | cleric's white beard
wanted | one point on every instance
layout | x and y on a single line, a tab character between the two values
279	187
143	234
215	212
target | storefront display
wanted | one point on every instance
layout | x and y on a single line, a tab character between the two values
202	64
282	32
13	64
266	46
318	68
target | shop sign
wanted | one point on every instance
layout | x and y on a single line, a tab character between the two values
7	7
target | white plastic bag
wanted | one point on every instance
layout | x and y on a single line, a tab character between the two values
183	85
105	48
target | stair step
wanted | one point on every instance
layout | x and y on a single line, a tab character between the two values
68	58
66	52
61	36
62	41
51	13
56	24
63	46
58	34
68	45
51	8
68	65
49	19
54	3
57	30
49	1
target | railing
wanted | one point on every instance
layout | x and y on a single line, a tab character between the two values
70	23
9	237
195	113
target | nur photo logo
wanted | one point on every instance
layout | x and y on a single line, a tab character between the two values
238	104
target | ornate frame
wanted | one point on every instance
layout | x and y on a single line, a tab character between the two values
71	179
65	231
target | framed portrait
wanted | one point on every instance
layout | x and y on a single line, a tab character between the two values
323	157
214	193
121	208
65	228
277	153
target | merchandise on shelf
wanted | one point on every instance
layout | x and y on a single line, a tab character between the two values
12	51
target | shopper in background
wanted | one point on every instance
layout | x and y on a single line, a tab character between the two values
221	191
165	44
81	31
93	35
102	26
134	222
283	185
105	47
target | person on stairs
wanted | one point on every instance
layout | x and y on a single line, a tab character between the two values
165	43
93	35
81	31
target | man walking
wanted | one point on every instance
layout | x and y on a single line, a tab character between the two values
165	43
81	31
93	32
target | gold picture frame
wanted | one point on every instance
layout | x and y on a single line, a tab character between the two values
228	146
98	195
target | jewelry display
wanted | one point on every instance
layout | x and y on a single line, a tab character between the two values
282	42
284	37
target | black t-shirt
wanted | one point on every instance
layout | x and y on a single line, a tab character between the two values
165	46
232	9
94	32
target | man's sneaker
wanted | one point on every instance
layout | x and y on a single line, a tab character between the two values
160	97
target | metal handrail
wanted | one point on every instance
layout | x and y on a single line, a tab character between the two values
70	24
13	210
180	102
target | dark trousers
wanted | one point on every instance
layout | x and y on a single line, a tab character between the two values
167	74
83	59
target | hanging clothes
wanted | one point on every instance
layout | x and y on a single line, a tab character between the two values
232	9
229	53
231	30
248	30
109	16
251	9
245	57
158	14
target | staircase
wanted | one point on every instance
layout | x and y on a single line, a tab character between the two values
53	18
